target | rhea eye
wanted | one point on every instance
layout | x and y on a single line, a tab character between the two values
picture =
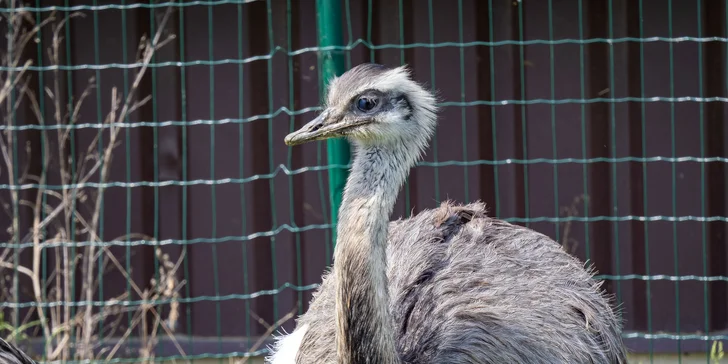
366	104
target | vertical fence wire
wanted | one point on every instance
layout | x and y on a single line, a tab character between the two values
100	149
13	142
44	145
673	174
328	17
127	154
524	128
643	115
613	132
701	126
184	171
496	180
433	85
271	160
554	146
463	120
292	126
585	166
241	169
402	62
70	221
213	189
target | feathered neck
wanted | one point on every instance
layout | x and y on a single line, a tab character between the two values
364	331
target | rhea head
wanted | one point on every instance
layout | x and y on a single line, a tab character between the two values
373	105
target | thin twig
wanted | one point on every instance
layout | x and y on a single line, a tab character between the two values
269	330
68	212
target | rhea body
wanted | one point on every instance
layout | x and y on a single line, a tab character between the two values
449	285
10	354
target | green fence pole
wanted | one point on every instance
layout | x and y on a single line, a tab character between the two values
331	63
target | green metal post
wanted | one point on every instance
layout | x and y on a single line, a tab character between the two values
331	63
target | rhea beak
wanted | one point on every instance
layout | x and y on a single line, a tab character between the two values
313	130
322	127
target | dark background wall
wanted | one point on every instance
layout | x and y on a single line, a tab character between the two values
622	102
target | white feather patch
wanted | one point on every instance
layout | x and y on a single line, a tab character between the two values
286	347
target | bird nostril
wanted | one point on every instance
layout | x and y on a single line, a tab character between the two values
316	127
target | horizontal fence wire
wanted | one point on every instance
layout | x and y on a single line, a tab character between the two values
283	169
203	193
280	50
285	111
294	287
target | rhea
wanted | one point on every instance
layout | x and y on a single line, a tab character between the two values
10	354
449	285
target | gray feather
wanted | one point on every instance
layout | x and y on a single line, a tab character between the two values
9	354
466	288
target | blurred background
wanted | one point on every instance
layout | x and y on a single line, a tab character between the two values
152	212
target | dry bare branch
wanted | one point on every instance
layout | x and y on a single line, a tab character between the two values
63	211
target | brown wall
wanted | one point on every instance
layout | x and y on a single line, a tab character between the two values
646	214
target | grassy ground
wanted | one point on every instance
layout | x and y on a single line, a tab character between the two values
669	359
636	359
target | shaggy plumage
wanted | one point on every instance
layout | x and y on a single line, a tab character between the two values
449	285
9	354
466	288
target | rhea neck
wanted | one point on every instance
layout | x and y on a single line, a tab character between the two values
364	331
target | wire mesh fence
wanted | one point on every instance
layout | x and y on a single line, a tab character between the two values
598	123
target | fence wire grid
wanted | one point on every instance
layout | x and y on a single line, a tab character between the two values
153	212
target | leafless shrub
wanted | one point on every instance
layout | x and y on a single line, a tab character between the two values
60	211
